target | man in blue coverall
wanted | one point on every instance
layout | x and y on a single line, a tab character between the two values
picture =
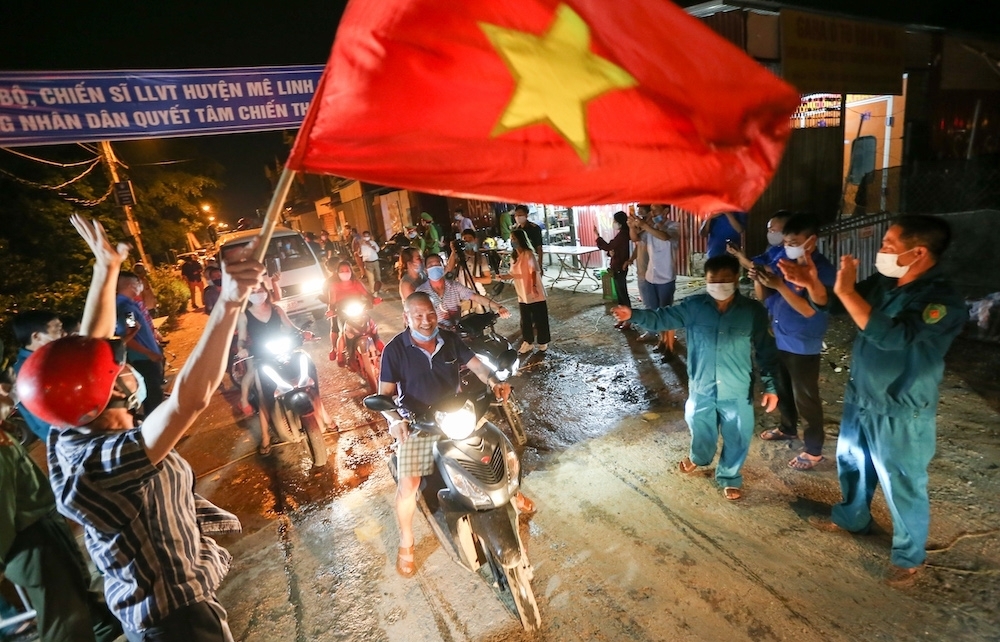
725	330
907	316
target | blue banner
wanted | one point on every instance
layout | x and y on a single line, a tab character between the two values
44	108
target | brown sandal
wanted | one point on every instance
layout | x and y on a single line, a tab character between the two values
687	466
731	493
524	505
406	568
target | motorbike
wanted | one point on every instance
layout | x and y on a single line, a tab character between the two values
287	372
361	329
388	257
495	351
469	502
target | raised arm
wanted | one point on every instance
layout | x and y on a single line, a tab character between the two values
100	313
203	371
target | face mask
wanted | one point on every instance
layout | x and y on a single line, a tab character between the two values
344	276
133	400
217	282
720	291
887	265
658	219
435	273
472	247
412	235
795	252
775	238
258	297
458	217
367	238
421	337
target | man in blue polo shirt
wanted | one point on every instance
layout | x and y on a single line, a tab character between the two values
144	353
421	365
775	244
798	329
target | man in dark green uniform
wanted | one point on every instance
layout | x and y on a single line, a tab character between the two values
725	331
907	316
39	554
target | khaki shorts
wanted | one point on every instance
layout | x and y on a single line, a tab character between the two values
415	456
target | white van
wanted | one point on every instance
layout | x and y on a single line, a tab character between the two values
303	277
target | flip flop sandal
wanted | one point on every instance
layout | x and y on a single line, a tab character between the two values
732	494
775	434
524	505
687	466
801	462
406	568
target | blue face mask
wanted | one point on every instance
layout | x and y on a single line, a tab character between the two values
435	273
658	219
421	337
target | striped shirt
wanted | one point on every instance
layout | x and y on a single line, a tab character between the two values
145	526
448	306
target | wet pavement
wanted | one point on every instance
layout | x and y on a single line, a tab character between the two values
624	547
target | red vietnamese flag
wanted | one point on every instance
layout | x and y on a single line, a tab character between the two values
575	102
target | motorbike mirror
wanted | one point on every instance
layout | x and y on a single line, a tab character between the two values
379	403
497	288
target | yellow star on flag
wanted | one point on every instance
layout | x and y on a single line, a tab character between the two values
556	76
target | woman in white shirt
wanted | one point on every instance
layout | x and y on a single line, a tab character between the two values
527	277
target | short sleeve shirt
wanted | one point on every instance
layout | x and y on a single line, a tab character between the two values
448	306
422	379
721	230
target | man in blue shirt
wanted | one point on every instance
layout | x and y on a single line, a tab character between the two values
722	229
421	365
33	329
775	244
798	329
907	316
725	332
144	353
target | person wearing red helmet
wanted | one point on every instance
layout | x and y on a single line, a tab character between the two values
145	528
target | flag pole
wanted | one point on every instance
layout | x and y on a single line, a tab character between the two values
274	212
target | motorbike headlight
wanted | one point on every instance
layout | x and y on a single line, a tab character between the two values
457	424
466	486
281	345
354	309
309	287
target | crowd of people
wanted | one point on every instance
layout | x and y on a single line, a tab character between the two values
96	397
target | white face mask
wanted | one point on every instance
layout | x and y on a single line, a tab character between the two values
775	238
258	297
795	252
887	264
720	291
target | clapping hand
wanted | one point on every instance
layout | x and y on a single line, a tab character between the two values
847	276
801	273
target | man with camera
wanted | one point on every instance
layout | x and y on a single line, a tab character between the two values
470	266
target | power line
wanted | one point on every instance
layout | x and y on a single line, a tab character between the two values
94	163
48	162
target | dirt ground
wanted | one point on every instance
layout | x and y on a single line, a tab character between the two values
624	546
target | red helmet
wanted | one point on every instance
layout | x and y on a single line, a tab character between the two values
68	382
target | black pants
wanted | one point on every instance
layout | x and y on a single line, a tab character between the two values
198	622
797	382
46	562
152	375
535	322
621	287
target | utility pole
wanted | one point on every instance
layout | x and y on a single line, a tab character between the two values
108	154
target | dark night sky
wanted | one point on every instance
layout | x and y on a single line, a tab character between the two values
172	34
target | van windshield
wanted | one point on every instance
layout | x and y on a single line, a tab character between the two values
291	252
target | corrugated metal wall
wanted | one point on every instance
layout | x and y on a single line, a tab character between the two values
731	25
808	180
690	243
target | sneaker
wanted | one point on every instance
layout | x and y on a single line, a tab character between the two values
525	348
543	347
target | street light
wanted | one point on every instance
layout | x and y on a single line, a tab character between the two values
206	208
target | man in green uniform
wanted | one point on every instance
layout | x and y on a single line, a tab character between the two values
907	316
725	330
432	238
39	554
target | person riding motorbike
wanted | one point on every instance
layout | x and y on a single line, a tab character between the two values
422	378
262	320
342	286
411	271
448	295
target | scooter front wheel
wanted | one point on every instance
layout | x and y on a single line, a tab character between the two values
314	437
368	359
515	583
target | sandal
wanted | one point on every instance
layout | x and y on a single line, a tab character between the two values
731	493
524	505
803	462
264	449
775	434
406	568
687	466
